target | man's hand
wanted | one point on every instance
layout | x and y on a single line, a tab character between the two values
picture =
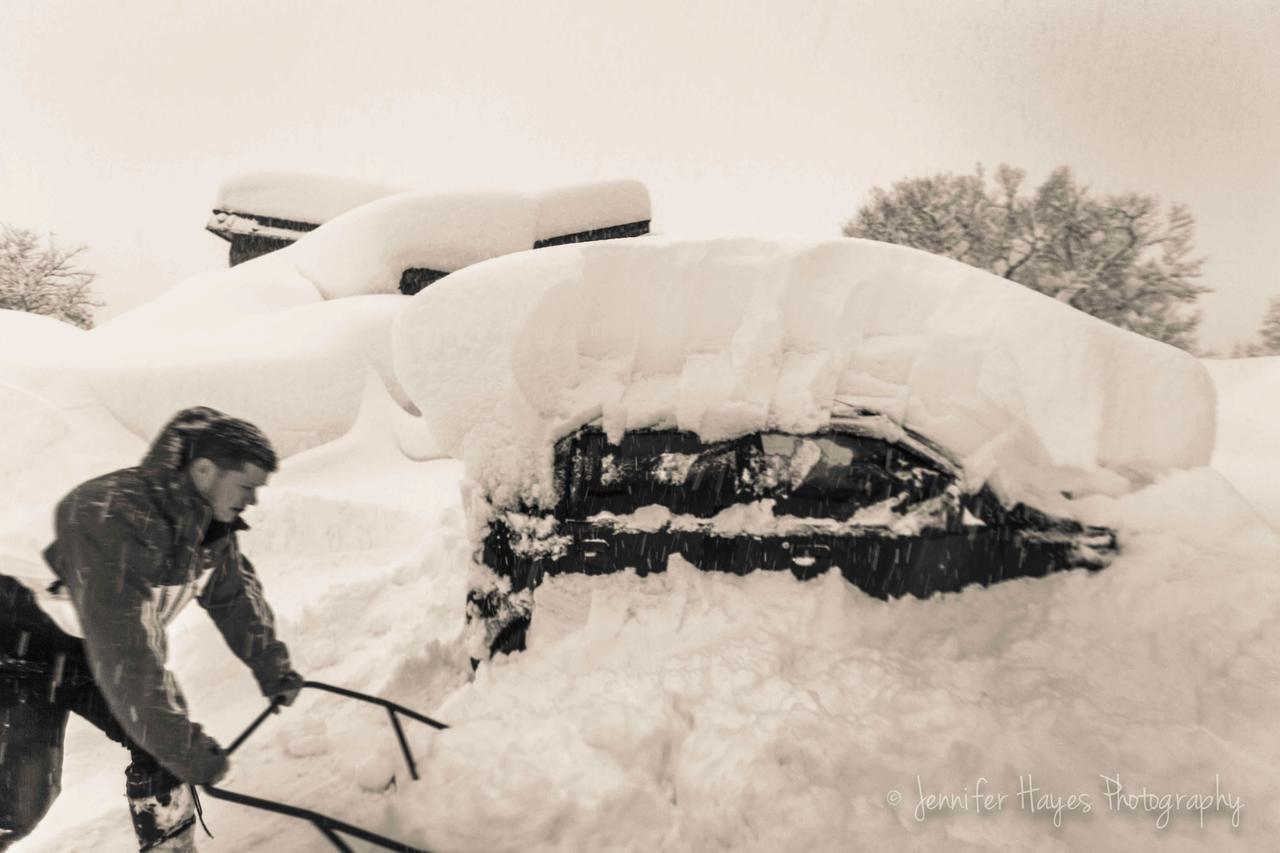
210	762
286	690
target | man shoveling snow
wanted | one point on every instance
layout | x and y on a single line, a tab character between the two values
132	548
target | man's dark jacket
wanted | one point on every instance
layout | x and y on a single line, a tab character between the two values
131	548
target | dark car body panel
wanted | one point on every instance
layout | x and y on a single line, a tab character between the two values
882	504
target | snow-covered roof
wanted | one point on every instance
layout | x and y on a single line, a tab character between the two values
584	208
283	206
229	226
724	337
298	197
366	250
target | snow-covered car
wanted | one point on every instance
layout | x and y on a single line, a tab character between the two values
882	504
746	404
263	212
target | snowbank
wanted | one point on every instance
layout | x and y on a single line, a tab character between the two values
257	340
54	432
31	425
1248	447
266	339
366	250
41	355
587	207
464	369
32	337
297	196
298	372
50	445
691	711
695	711
725	337
372	234
208	301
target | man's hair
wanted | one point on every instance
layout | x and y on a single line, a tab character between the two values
231	443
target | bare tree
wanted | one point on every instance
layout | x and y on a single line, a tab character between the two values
44	278
1118	257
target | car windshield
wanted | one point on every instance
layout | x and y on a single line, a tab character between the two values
830	474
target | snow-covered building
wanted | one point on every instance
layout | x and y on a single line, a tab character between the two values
259	213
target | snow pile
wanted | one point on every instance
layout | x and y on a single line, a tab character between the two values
287	340
366	250
258	340
297	196
381	439
586	207
32	425
298	372
39	354
689	711
695	711
47	450
260	287
726	337
33	338
1248	449
54	433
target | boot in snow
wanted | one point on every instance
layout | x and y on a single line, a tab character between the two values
163	811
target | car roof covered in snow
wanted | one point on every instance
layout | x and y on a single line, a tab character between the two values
727	336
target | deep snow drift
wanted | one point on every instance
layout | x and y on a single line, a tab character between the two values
686	711
286	339
727	337
1249	430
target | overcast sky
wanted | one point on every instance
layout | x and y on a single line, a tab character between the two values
121	119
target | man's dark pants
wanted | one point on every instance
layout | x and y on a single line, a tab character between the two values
44	677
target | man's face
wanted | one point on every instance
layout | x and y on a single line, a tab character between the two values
230	491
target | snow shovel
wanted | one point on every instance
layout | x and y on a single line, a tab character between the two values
328	826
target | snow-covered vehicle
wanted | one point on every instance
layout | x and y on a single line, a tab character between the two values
747	404
881	504
262	212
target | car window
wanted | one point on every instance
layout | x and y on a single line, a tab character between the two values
835	473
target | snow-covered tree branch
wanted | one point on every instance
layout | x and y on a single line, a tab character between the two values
44	278
1118	257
